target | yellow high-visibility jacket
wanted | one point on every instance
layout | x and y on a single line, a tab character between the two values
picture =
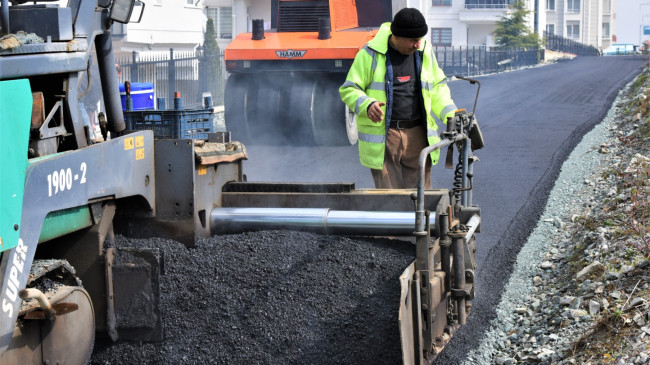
370	79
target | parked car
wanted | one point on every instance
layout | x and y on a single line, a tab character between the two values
619	49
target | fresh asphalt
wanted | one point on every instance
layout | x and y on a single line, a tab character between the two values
531	119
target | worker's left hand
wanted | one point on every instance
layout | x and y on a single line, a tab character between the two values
375	113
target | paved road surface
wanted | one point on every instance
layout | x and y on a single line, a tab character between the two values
531	120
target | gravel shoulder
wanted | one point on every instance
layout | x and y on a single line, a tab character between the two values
579	292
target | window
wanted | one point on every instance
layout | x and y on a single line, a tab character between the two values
441	36
550	4
550	29
573	6
222	18
441	2
573	30
606	34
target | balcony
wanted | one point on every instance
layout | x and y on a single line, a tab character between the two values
483	11
488	4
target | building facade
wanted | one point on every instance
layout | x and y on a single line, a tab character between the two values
467	22
180	24
590	22
165	24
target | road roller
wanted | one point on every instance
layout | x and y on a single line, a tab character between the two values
66	192
283	82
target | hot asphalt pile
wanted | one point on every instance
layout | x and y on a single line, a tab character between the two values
580	290
274	297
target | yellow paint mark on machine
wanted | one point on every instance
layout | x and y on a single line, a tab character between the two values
139	154
128	143
139	141
203	170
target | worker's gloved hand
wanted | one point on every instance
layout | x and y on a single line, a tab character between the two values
375	113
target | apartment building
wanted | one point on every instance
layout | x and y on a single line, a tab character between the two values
472	22
453	22
589	22
180	24
467	22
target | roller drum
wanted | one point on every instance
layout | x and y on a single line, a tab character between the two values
295	108
236	100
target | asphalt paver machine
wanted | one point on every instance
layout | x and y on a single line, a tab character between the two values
65	192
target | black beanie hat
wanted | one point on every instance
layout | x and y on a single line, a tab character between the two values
409	23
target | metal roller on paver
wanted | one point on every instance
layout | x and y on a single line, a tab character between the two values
67	191
283	83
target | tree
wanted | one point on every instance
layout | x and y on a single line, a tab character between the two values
212	59
511	30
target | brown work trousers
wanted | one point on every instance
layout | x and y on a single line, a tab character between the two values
403	147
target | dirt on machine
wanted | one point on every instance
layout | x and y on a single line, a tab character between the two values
283	82
67	192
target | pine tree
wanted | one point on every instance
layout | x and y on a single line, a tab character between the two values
511	30
213	60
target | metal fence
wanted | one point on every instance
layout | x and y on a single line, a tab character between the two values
561	44
184	72
471	61
187	72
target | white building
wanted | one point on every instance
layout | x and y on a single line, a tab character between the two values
467	22
165	24
472	22
180	24
590	22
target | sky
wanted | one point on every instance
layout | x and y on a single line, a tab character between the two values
631	17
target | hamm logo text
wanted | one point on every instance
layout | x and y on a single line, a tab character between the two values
290	54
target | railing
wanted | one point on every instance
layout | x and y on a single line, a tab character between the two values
470	61
566	45
184	72
488	4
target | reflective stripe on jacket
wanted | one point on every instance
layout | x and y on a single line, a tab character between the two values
370	79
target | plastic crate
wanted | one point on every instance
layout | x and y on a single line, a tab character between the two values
172	124
142	94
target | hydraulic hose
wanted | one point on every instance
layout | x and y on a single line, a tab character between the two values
110	85
419	210
5	17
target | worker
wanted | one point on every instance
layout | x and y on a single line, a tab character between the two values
396	89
